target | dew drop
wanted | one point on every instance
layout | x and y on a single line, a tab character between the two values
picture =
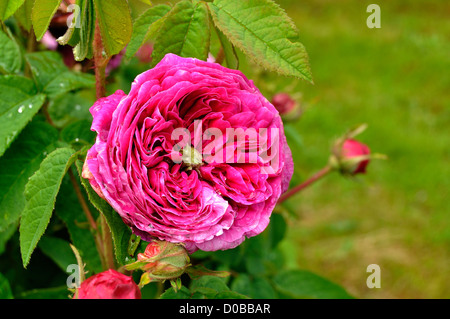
30	106
77	139
20	110
77	107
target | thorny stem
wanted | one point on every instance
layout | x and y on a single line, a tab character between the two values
324	171
100	63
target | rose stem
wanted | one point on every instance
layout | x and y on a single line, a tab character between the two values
220	56
87	212
99	64
107	243
324	171
82	201
100	89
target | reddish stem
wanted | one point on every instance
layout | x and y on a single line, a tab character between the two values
324	171
100	63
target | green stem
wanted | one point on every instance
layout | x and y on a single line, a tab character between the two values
324	171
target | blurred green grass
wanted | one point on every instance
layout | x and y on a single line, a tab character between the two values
396	80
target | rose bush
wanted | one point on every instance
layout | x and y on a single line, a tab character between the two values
210	205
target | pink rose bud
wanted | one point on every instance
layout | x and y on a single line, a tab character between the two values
288	107
355	156
144	54
109	284
283	102
162	260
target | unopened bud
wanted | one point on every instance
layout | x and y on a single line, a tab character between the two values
161	260
288	107
350	156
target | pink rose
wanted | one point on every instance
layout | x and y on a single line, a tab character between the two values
109	284
353	150
173	159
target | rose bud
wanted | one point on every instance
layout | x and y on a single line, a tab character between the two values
161	260
144	54
109	284
354	157
288	108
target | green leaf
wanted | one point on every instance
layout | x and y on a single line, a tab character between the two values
231	57
46	293
115	24
120	232
185	32
20	162
67	108
8	7
78	132
142	27
257	288
42	14
53	77
170	293
17	107
10	55
40	192
305	284
264	32
211	282
58	250
5	288
23	14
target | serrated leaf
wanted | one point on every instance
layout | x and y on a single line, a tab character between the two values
42	14
115	24
40	193
142	27
264	32
53	77
8	7
305	284
185	32
10	54
18	164
120	232
58	250
17	108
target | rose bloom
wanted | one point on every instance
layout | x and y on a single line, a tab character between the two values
207	205
353	148
109	284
